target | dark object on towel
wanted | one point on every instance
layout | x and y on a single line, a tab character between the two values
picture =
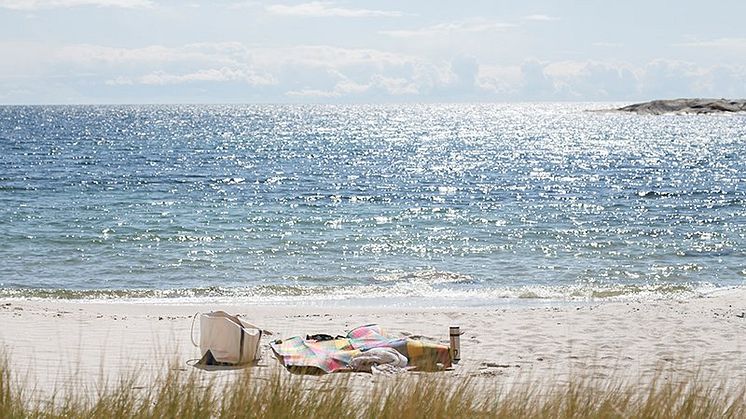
321	337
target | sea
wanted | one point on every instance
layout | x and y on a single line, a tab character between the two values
469	204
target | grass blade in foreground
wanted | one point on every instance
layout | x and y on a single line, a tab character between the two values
278	394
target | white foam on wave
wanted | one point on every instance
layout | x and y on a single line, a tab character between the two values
382	220
426	276
447	189
391	291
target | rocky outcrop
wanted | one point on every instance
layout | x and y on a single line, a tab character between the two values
681	106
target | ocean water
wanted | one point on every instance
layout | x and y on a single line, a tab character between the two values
462	202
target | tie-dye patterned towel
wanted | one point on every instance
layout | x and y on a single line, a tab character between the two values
335	355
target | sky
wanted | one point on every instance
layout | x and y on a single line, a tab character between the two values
286	51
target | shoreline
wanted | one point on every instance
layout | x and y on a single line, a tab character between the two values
68	342
444	297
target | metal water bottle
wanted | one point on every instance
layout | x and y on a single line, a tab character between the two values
455	333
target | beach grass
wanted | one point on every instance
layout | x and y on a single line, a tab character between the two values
279	394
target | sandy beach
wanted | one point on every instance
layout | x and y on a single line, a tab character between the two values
54	344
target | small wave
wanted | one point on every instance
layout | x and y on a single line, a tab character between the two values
173	293
233	180
429	276
447	189
382	220
9	188
402	287
612	292
655	194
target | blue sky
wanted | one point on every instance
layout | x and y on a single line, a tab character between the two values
151	51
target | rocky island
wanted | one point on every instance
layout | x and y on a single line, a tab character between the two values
687	106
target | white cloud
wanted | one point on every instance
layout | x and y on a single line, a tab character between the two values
397	86
377	84
672	78
28	5
540	18
97	54
225	54
447	28
597	80
326	9
209	75
300	71
312	93
329	56
723	81
501	80
342	88
323	72
605	80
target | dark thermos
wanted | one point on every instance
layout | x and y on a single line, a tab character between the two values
455	333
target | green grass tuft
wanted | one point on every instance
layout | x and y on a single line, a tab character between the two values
278	394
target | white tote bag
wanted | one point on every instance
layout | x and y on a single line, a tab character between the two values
229	339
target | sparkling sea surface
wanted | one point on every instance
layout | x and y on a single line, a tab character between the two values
462	201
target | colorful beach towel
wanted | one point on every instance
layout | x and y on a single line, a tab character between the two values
335	355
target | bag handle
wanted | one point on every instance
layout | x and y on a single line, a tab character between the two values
244	323
191	331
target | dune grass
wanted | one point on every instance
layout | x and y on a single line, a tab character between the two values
191	394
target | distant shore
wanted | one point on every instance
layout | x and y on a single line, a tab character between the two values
76	342
686	106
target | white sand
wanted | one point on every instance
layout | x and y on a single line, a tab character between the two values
57	343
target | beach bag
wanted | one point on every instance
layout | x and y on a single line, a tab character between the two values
226	340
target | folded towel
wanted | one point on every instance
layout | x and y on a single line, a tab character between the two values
379	360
